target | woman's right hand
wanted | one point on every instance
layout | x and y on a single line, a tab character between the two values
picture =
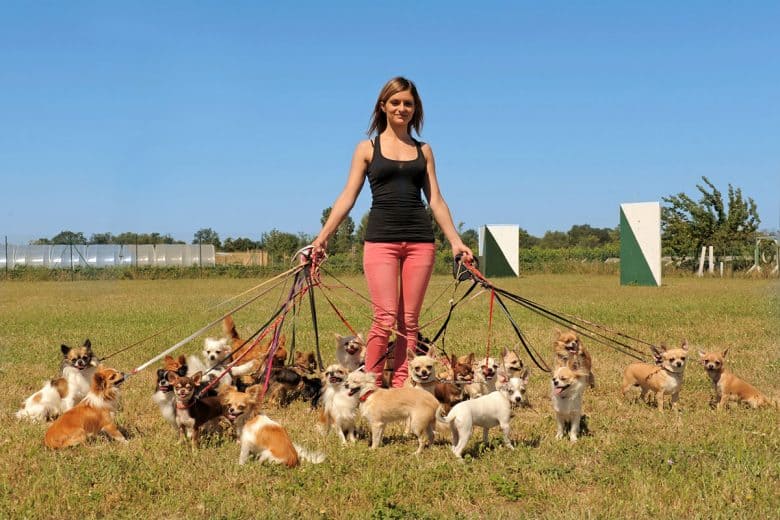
319	248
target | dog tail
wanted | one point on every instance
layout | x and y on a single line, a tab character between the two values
440	416
229	328
194	365
315	457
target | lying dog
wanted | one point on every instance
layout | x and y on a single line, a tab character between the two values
729	387
163	397
568	385
60	394
663	378
270	441
382	406
91	416
487	411
350	351
568	345
253	358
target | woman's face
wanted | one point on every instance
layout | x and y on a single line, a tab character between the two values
399	108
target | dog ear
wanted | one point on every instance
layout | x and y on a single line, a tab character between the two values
702	355
724	353
684	345
182	360
196	377
338	337
361	338
87	343
171	377
65	349
471	358
410	354
504	351
100	380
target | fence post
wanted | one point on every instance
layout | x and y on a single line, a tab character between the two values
6	257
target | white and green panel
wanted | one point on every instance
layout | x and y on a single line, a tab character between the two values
640	243
499	250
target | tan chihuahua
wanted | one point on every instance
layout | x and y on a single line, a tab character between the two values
729	387
665	377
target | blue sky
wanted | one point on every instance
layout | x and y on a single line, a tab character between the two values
243	116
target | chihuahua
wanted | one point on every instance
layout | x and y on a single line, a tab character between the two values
568	385
665	377
192	413
381	406
729	387
487	411
91	416
568	345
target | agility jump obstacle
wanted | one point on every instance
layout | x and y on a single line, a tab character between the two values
640	244
499	249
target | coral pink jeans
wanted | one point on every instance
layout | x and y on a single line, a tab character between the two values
395	304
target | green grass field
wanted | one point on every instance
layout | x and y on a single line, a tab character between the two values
636	462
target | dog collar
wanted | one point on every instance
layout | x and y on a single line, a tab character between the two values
184	406
365	396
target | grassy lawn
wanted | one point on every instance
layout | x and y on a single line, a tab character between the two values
635	462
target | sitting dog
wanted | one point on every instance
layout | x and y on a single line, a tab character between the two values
568	385
163	397
487	411
665	377
60	394
91	416
238	407
485	376
451	392
568	345
729	387
350	351
270	441
511	365
382	406
339	407
192	413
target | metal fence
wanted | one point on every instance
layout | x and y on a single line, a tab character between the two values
106	255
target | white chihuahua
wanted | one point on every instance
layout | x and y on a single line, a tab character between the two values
493	409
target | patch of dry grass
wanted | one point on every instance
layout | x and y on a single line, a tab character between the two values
634	462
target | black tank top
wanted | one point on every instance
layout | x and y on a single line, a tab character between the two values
397	210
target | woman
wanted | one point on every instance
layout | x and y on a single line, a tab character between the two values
399	236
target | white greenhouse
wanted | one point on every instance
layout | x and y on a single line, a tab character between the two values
106	255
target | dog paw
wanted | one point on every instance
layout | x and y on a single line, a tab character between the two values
558	436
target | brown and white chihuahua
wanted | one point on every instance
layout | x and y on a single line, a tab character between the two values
192	413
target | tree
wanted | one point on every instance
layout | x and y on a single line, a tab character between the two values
280	245
69	237
554	240
101	238
341	241
207	236
527	240
687	225
586	236
239	244
470	237
360	234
